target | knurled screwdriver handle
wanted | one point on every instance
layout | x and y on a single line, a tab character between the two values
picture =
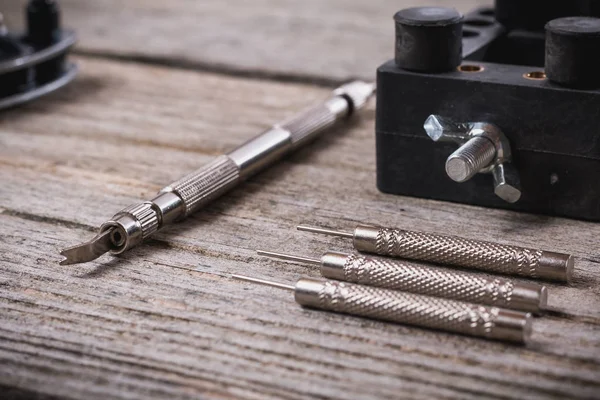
133	224
414	278
413	309
217	177
205	184
457	251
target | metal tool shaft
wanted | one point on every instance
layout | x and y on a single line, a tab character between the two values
410	309
185	196
414	309
457	251
415	278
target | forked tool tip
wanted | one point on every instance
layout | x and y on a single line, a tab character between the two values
87	251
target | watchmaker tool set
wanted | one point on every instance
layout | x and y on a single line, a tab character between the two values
34	63
475	82
430	297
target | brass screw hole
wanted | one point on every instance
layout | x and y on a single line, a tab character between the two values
535	75
470	68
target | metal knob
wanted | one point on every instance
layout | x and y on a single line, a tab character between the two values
483	149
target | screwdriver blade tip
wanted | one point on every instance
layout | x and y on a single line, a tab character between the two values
87	251
66	253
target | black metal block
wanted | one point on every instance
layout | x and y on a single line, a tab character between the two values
554	133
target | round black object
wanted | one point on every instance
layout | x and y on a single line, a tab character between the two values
43	22
572	52
428	39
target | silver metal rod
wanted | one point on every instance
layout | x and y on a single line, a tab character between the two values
289	257
264	282
178	200
325	231
446	283
462	252
407	308
458	251
413	309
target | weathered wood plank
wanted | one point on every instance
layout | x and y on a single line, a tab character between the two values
157	326
140	326
311	39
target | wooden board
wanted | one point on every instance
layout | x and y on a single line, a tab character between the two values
144	326
320	41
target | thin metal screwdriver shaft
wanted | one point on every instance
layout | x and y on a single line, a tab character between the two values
263	282
406	308
325	231
288	257
457	251
415	278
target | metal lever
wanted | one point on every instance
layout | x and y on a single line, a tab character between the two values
406	308
453	250
414	278
483	149
180	199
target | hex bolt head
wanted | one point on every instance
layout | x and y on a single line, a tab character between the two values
470	158
444	130
434	127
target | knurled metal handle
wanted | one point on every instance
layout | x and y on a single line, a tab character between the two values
310	122
453	250
144	214
206	183
413	309
436	282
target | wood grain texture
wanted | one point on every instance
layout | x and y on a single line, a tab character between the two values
144	326
311	39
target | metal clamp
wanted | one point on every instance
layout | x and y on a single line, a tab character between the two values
483	149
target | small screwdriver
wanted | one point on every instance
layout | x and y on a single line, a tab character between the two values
407	308
133	224
414	278
457	251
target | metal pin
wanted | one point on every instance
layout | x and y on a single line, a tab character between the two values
405	308
419	279
3	28
324	231
289	257
264	282
457	251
